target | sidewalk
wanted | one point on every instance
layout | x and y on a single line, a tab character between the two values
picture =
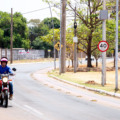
70	89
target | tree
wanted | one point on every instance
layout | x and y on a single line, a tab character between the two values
69	44
90	22
20	30
38	29
87	16
34	22
83	32
39	43
49	37
1	37
48	22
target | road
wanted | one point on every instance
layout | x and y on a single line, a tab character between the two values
33	100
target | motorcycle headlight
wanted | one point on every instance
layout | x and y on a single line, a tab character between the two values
5	80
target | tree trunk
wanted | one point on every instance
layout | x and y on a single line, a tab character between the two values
114	61
89	63
96	62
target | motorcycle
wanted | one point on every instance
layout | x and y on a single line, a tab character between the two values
4	84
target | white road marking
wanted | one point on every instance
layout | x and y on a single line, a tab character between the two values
33	110
29	109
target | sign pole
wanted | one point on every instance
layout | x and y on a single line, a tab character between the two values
104	53
75	44
116	48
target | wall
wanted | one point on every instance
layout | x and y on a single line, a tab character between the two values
20	54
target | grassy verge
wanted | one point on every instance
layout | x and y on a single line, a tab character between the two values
83	78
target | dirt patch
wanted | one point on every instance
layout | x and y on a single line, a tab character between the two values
93	69
91	82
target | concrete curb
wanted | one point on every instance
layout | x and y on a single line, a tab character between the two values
87	88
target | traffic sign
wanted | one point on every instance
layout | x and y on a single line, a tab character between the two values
57	46
103	46
75	39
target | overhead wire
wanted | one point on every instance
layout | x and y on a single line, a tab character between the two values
36	10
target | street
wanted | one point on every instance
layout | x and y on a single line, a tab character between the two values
33	100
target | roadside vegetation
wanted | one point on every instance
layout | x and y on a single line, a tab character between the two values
90	79
26	34
89	30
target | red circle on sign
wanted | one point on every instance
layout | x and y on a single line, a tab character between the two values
105	43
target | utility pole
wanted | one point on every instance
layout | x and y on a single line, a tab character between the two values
63	37
104	53
116	47
11	41
75	44
5	52
1	52
53	36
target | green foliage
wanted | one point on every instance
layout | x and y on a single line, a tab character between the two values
40	29
20	30
26	43
39	43
48	22
34	22
49	37
83	33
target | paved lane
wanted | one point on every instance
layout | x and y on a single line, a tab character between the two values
32	100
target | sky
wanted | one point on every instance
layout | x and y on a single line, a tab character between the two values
24	6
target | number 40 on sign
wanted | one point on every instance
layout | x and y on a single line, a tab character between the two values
103	46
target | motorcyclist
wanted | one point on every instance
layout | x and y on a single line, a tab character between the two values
4	69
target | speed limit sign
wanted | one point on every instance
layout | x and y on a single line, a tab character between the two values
103	46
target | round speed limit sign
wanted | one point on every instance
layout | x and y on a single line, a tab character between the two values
103	46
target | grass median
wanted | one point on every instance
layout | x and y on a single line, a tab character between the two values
90	79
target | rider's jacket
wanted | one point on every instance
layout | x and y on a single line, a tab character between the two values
5	70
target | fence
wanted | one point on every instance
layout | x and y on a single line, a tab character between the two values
20	54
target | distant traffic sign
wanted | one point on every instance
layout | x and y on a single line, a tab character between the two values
57	46
103	46
75	39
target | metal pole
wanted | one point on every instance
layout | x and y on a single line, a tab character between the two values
11	41
53	36
104	53
75	46
116	48
60	36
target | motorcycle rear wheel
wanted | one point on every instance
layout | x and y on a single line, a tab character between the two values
6	99
1	99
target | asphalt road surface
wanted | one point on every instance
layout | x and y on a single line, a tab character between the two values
34	101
